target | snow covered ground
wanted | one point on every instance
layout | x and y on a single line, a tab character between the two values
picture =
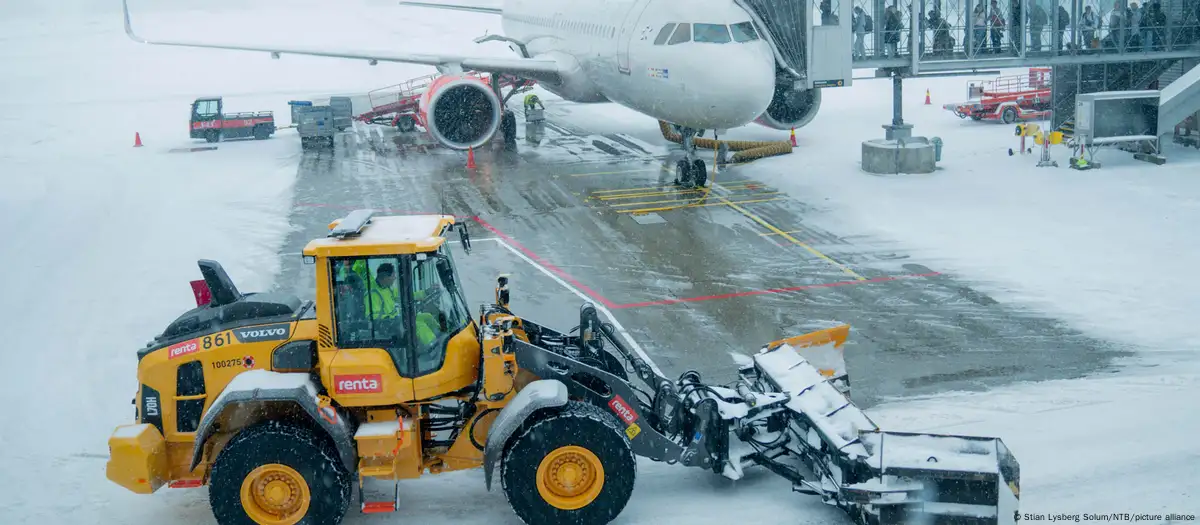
102	238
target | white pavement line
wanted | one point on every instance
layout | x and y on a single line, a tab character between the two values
600	307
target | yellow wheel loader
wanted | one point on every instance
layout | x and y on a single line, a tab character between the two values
280	406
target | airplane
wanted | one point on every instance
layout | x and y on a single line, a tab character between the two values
699	65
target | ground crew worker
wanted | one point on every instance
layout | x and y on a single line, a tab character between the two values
531	100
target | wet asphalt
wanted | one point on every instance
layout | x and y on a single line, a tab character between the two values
691	277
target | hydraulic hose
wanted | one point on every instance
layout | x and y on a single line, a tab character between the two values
747	150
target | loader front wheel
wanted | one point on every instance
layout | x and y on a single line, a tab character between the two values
570	465
278	474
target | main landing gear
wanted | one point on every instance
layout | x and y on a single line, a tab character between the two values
690	171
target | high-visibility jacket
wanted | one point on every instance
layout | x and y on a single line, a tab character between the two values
359	268
381	303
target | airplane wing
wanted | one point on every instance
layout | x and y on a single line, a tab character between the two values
534	69
456	7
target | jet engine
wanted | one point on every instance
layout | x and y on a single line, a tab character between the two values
791	107
460	111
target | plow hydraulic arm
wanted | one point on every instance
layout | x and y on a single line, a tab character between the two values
789	411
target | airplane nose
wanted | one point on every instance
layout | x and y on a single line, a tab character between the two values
746	84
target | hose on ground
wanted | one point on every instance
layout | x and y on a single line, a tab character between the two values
747	150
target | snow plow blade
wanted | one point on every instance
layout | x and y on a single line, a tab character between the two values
876	476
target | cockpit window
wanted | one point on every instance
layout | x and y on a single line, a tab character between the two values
664	33
712	33
683	33
743	32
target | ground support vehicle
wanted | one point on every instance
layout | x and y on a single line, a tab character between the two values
315	125
1008	99
281	406
343	112
210	122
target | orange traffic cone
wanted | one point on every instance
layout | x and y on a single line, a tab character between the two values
137	139
927	102
793	139
470	158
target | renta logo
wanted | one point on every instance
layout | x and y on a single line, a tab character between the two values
182	349
622	410
358	384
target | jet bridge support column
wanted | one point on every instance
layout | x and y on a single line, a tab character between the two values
897	130
899	151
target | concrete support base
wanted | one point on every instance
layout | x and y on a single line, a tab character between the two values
909	155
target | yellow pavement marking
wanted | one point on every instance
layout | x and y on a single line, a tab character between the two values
787	236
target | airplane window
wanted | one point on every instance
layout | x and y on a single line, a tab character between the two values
712	33
683	33
743	32
664	33
827	13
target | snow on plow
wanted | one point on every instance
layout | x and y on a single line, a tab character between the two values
815	436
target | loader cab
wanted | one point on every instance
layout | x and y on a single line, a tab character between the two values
206	112
394	322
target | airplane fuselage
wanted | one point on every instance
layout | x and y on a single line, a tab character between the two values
718	75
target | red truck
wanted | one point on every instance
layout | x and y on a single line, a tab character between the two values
1008	99
211	123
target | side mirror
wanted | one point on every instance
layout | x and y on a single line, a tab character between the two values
464	237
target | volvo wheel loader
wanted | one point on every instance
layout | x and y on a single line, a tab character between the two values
281	406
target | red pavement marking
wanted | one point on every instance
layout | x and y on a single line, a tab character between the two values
601	299
567	277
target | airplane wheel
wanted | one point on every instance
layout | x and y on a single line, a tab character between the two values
683	173
699	173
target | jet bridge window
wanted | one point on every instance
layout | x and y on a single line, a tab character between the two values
743	32
712	33
664	34
683	33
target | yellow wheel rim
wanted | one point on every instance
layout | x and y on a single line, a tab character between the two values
570	477
275	494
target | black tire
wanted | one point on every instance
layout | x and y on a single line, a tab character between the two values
329	142
310	455
699	173
405	124
212	135
683	173
575	424
508	127
261	133
1008	116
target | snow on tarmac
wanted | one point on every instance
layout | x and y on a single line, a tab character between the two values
102	239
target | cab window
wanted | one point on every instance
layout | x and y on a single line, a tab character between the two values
664	34
439	309
743	32
367	309
683	33
711	33
206	108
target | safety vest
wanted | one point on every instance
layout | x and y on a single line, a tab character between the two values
359	267
381	303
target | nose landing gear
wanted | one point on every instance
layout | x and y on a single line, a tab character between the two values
690	171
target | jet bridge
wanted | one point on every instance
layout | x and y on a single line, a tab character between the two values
809	37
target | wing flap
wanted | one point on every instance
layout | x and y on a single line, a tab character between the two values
535	69
457	7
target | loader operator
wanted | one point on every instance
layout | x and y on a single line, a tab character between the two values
381	303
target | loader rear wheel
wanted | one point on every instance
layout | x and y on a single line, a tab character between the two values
570	465
279	474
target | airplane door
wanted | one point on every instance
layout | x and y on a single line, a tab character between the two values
627	32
